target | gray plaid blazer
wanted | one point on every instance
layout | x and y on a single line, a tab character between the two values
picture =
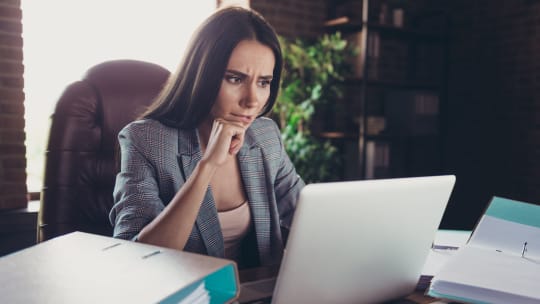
156	160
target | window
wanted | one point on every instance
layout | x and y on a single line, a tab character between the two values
63	38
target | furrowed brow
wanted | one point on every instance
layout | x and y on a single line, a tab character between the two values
237	73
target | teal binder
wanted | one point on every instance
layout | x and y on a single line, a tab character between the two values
86	268
514	211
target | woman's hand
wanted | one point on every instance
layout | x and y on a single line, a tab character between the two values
226	138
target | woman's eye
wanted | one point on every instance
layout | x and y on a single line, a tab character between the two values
233	79
264	83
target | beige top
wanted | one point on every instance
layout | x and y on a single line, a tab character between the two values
235	225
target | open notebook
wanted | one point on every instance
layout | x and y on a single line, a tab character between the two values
501	261
358	241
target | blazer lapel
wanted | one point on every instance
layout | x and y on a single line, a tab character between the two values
207	220
253	176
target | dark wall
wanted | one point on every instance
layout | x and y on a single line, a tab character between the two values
493	138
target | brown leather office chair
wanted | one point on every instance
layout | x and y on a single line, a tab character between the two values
81	157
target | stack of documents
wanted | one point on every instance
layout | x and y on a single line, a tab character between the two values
501	261
199	295
86	268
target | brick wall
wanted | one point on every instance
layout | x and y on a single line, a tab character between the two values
299	18
12	136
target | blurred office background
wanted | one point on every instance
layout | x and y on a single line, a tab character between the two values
437	87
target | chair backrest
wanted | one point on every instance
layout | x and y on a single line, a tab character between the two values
81	160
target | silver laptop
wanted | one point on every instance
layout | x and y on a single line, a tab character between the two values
359	241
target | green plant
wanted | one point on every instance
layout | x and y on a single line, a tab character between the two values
313	73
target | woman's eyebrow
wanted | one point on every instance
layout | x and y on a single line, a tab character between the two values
238	73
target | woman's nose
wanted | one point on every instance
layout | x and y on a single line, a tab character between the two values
252	96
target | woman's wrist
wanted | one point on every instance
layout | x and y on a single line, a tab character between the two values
206	168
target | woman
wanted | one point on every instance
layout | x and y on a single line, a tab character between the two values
203	171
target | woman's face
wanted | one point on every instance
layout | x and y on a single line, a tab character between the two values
245	88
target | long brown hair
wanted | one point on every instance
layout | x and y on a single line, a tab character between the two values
191	91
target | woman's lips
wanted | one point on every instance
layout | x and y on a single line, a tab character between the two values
243	118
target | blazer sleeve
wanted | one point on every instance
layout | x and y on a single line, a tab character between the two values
136	192
287	186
